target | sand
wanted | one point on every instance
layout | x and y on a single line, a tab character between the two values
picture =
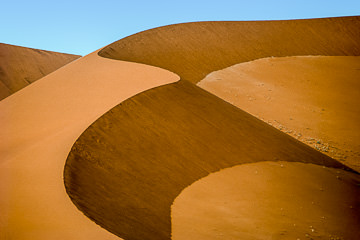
127	168
182	130
163	140
193	50
312	98
40	124
270	200
21	66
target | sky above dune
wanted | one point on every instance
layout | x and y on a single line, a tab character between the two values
80	27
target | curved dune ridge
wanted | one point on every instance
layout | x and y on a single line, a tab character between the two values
313	98
126	169
146	150
39	126
20	66
196	49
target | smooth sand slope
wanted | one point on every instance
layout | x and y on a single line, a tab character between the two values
39	125
145	151
314	99
20	66
270	200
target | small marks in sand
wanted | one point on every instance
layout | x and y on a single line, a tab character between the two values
320	145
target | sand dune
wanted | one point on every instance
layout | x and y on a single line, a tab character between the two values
157	143
127	167
193	50
314	99
20	66
40	124
174	135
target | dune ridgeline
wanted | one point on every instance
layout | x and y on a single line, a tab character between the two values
165	134
22	66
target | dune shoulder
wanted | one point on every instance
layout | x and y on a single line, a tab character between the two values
21	66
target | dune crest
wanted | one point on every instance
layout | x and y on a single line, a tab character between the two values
193	50
157	143
176	134
40	124
139	136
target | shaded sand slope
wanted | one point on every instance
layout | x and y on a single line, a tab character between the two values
269	200
126	169
145	151
40	124
193	50
20	66
315	99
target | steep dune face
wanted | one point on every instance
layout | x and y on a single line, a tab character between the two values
133	161
146	150
20	66
38	127
314	99
126	169
193	50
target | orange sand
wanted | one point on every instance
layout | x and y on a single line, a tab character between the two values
21	66
270	200
313	98
40	124
193	50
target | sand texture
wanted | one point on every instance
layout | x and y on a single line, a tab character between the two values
150	147
20	66
193	50
182	133
270	200
39	125
127	139
314	99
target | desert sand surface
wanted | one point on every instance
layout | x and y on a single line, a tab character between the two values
21	66
40	124
312	98
270	200
150	147
193	50
124	170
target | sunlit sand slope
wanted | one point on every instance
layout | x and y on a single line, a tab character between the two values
127	168
270	200
20	66
193	50
314	99
38	127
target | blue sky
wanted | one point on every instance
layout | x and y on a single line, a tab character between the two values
80	27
